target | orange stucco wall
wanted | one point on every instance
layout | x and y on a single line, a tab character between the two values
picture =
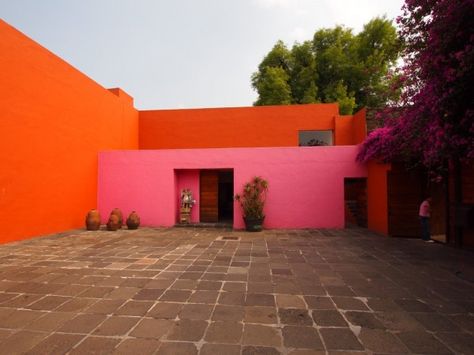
263	126
343	127
359	128
351	130
377	204
53	122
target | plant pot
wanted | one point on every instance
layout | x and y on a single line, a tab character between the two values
253	224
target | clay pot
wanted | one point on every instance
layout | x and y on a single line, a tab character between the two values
133	220
119	214
113	223
253	224
93	220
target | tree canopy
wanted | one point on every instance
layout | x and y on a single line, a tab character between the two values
433	122
335	65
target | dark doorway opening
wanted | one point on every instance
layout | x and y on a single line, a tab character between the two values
406	189
226	196
216	196
355	202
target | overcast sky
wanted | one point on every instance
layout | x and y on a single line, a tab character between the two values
180	53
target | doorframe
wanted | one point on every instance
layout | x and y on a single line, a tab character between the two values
217	170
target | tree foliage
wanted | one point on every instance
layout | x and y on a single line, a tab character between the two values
335	66
253	196
274	87
433	122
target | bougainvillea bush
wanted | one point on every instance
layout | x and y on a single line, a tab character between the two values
433	122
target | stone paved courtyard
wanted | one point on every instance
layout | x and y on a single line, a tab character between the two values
188	291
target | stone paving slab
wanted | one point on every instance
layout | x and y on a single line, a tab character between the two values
189	291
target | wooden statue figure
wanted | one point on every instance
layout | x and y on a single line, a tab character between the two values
187	198
186	203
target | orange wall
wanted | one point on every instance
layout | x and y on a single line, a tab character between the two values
343	127
262	126
377	203
53	122
351	130
359	128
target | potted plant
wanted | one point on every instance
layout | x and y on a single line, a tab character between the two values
252	200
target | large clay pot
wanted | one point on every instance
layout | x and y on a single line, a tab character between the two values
113	224
253	224
133	220
93	220
119	214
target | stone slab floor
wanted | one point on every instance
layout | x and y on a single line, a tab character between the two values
189	291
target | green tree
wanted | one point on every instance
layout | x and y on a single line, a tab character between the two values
303	75
335	66
337	92
272	78
273	87
377	50
334	54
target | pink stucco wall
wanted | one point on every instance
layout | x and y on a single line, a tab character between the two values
306	184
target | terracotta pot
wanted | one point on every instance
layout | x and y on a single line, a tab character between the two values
93	220
133	220
119	214
113	223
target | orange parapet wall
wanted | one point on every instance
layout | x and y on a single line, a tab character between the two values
377	194
343	130
359	128
53	122
261	126
351	130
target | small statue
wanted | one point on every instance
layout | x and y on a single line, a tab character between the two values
187	199
186	203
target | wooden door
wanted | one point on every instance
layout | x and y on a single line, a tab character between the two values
405	193
209	201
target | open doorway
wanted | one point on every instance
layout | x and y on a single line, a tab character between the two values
226	196
406	189
355	202
216	196
438	192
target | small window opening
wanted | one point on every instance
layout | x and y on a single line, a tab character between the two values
314	138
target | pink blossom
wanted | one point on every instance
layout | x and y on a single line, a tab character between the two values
433	121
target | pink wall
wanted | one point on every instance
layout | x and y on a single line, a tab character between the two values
188	179
306	184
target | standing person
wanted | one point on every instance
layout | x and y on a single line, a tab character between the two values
425	214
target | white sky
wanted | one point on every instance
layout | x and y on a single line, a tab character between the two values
180	53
